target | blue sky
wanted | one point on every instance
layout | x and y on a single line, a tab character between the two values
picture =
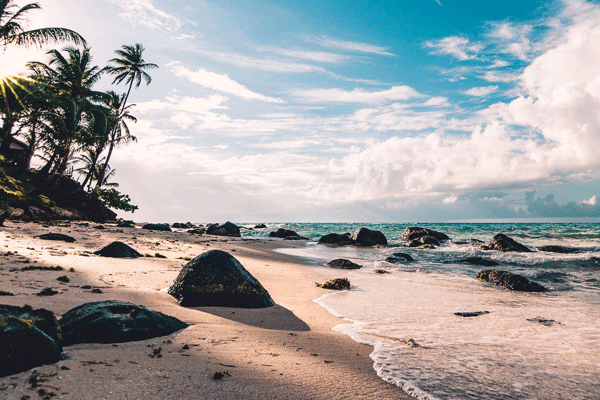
414	110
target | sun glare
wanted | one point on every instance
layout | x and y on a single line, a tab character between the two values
13	61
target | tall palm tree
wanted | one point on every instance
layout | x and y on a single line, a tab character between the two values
130	67
13	32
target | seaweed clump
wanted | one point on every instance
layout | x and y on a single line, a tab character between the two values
335	284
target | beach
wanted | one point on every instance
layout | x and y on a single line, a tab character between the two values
288	351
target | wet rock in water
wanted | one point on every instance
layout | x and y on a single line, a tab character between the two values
510	281
501	242
468	241
28	338
557	249
335	284
336	238
416	232
157	227
424	240
117	250
471	314
342	263
479	261
260	226
216	278
227	229
399	258
367	237
546	322
286	234
115	322
57	236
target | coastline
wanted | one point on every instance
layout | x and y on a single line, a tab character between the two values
284	352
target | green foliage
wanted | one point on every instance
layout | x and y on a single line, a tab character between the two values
114	199
335	284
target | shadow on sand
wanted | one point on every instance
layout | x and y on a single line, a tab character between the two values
276	317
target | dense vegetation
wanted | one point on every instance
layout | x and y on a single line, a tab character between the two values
54	115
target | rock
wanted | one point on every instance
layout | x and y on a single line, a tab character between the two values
28	338
426	247
501	242
197	231
546	322
216	278
296	238
381	271
115	322
179	225
367	237
471	314
557	249
47	292
260	226
423	240
468	242
57	236
415	232
335	284
479	261
399	258
117	250
342	263
227	229
336	238
283	233
157	227
510	281
64	279
126	224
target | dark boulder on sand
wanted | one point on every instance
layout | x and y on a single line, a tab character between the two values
342	263
117	250
115	322
416	232
336	238
57	236
501	242
218	279
399	258
367	237
28	338
227	229
125	224
510	280
157	227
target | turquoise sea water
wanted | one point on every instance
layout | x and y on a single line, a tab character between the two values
527	345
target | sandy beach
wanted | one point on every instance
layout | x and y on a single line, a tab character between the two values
284	352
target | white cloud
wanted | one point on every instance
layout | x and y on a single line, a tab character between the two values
439	3
337	95
456	46
437	102
481	91
513	38
317	56
593	201
221	83
450	199
358	47
263	64
143	12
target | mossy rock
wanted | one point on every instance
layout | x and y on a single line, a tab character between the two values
335	284
115	322
216	278
28	338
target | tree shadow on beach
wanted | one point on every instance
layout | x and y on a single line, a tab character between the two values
276	317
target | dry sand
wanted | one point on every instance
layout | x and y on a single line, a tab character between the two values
284	352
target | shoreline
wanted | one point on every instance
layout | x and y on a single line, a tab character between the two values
288	351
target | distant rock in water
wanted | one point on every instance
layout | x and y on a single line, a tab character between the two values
336	238
416	232
501	242
479	261
342	263
115	322
283	233
423	241
117	250
216	278
28	338
399	257
367	237
260	226
157	227
227	229
510	281
557	249
57	236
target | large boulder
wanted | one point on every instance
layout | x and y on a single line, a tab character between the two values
28	338
57	236
227	229
336	238
510	280
117	250
367	237
422	241
216	278
342	263
115	322
399	258
283	233
416	232
157	227
501	242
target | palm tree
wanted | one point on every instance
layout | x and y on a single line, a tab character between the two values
129	67
13	32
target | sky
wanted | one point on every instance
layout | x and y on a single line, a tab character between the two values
353	111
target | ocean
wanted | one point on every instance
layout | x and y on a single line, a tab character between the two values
520	346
